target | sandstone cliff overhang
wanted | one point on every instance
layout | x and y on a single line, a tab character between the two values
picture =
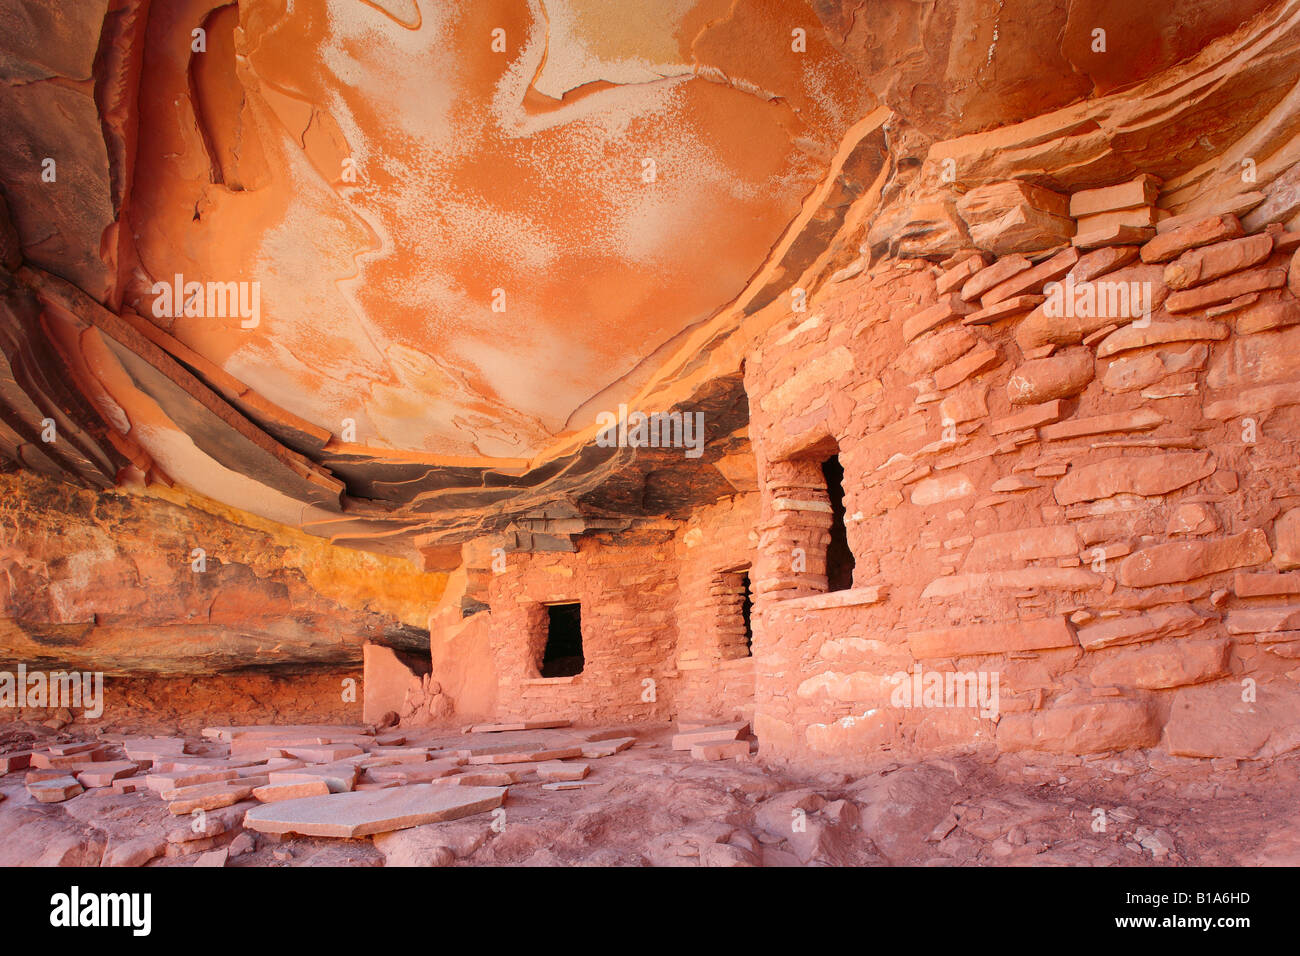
468	244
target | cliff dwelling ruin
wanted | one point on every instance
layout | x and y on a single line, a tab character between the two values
554	432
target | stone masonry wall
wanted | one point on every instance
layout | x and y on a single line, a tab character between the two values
1103	511
628	593
715	669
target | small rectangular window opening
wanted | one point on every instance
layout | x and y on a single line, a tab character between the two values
563	654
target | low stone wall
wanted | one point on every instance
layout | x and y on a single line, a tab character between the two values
1102	511
628	593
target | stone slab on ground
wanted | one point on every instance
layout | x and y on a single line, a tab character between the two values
210	796
501	777
415	773
329	753
600	734
719	749
554	771
35	776
258	744
516	725
524	756
228	733
55	789
72	747
176	779
363	813
181	764
216	822
103	774
386	756
151	748
276	763
607	748
571	784
731	731
48	760
274	792
341	777
19	760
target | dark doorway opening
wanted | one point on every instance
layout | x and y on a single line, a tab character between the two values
839	559
563	654
746	608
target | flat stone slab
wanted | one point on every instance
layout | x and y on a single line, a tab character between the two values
261	743
557	770
691	726
229	733
341	777
476	750
385	756
275	792
719	749
211	796
524	756
213	858
151	748
198	764
175	780
260	769
326	753
18	760
571	785
48	760
732	731
54	790
484	778
607	733
607	748
415	773
517	725
365	812
100	775
77	747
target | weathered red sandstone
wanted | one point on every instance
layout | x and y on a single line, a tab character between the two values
1226	289
1160	333
1187	560
1169	665
1135	194
1082	728
1059	376
1177	241
339	542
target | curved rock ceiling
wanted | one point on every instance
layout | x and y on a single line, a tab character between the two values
501	257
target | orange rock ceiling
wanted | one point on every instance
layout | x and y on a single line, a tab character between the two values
475	170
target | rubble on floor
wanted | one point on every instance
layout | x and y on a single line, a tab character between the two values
662	796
